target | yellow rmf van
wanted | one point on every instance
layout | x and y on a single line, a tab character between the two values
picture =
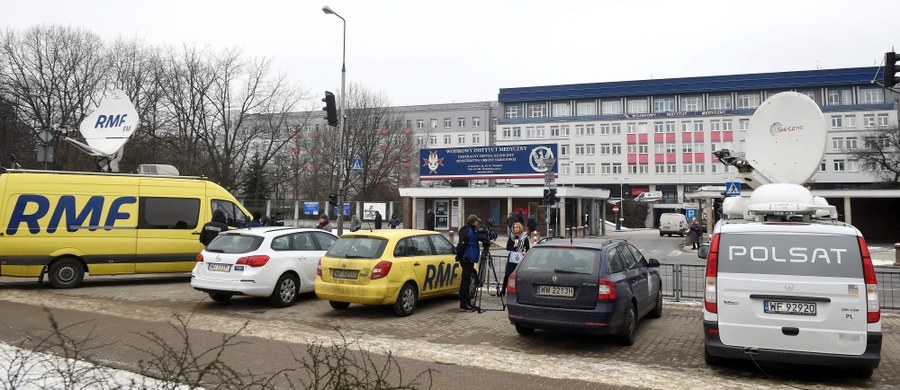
66	224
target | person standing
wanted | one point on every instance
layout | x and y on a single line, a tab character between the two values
394	222
323	223
517	244
257	220
355	223
532	224
520	218
510	220
429	220
467	254
694	234
378	219
212	228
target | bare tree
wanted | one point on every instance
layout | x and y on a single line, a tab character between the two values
880	155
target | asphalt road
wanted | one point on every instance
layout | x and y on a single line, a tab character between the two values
466	350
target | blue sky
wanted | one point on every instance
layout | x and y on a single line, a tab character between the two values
421	52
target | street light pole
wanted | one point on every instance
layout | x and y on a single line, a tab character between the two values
340	192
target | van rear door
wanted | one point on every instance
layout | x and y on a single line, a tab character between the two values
792	291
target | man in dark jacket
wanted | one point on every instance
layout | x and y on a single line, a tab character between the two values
212	228
429	220
378	219
467	253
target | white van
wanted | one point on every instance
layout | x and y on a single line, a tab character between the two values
673	223
785	287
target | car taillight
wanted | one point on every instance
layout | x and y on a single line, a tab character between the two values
319	268
200	257
511	284
873	309
712	271
254	261
381	270
606	290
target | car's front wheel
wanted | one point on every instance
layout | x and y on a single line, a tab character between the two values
66	273
406	300
285	292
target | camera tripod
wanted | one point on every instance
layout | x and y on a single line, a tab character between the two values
488	280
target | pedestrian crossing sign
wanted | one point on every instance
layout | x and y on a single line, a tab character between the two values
356	165
732	188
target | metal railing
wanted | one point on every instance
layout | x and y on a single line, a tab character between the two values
686	282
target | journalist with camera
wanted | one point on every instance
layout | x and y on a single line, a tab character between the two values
468	253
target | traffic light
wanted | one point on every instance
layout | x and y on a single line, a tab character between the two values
546	199
332	199
549	197
552	199
890	70
330	110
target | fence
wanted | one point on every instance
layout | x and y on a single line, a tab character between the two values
686	282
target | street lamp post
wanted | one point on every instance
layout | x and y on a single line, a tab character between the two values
340	192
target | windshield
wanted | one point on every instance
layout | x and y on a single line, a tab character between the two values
234	243
561	260
358	247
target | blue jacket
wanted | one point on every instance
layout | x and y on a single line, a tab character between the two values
472	243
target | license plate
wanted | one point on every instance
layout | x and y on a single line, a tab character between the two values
344	273
218	267
795	308
556	291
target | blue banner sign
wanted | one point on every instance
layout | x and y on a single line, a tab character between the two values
488	162
310	208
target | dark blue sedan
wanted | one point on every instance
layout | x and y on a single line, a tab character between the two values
584	286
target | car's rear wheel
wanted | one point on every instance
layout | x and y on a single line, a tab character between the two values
862	372
628	330
406	300
66	273
339	305
285	292
661	233
524	330
657	311
220	298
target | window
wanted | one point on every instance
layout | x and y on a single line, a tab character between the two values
579	130
727	125
837	143
616	149
643	148
447	123
434	123
462	139
616	128
687	147
839	165
420	140
840	97
516	132
604	129
719	102
589	130
529	132
666	104
579	149
849	121
433	139
605	169
747	100
539	132
688	168
537	110
850	143
852	165
836	121
632	169
658	127
822	166
632	128
604	149
563	150
871	96
698	125
513	111
408	124
420	124
562	109
611	107
691	103
586	108
507	132
699	168
566	169
579	169
590	169
637	106
715	125
882	120
447	139
177	213
554	131
745	124
461	122
476	139
564	130
590	149
869	120
632	149
617	168
670	127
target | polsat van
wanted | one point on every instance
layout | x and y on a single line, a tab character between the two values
66	224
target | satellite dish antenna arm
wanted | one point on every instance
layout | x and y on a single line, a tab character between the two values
750	175
85	147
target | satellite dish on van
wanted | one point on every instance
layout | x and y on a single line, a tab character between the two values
108	128
786	138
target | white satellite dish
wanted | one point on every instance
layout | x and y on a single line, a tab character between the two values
108	128
786	138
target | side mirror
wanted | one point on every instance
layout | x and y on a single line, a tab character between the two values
703	251
653	263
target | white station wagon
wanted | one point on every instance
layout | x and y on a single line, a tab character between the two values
275	262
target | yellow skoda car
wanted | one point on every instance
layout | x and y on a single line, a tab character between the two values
388	267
